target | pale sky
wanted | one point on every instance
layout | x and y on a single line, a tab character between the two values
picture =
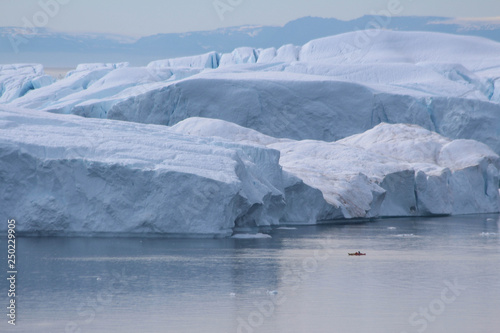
148	17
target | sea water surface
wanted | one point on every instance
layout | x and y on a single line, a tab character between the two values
419	275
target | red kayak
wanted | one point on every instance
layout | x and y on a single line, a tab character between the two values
357	254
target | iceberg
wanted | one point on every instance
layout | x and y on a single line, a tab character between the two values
326	90
242	55
62	174
298	106
390	170
251	236
17	80
203	177
403	124
451	176
208	60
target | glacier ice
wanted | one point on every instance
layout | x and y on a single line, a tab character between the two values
208	60
327	89
390	170
17	80
297	106
64	175
402	124
69	175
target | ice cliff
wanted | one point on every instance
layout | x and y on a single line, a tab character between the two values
68	175
63	174
17	80
390	170
360	125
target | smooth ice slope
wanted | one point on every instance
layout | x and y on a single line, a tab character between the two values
390	170
68	175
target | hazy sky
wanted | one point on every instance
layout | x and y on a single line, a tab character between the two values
146	17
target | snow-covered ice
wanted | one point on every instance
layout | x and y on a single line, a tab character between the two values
70	175
66	174
17	80
399	124
327	89
390	170
251	236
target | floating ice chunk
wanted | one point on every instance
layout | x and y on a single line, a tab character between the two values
251	236
488	234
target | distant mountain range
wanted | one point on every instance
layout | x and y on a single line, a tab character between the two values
67	50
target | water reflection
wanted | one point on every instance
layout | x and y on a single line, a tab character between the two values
299	281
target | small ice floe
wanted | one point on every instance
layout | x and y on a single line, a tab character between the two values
490	220
232	294
391	228
286	228
487	234
272	292
406	236
92	277
251	236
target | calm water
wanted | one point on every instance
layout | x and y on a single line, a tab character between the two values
419	275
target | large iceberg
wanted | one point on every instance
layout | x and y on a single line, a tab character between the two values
63	174
68	175
396	124
326	90
390	170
